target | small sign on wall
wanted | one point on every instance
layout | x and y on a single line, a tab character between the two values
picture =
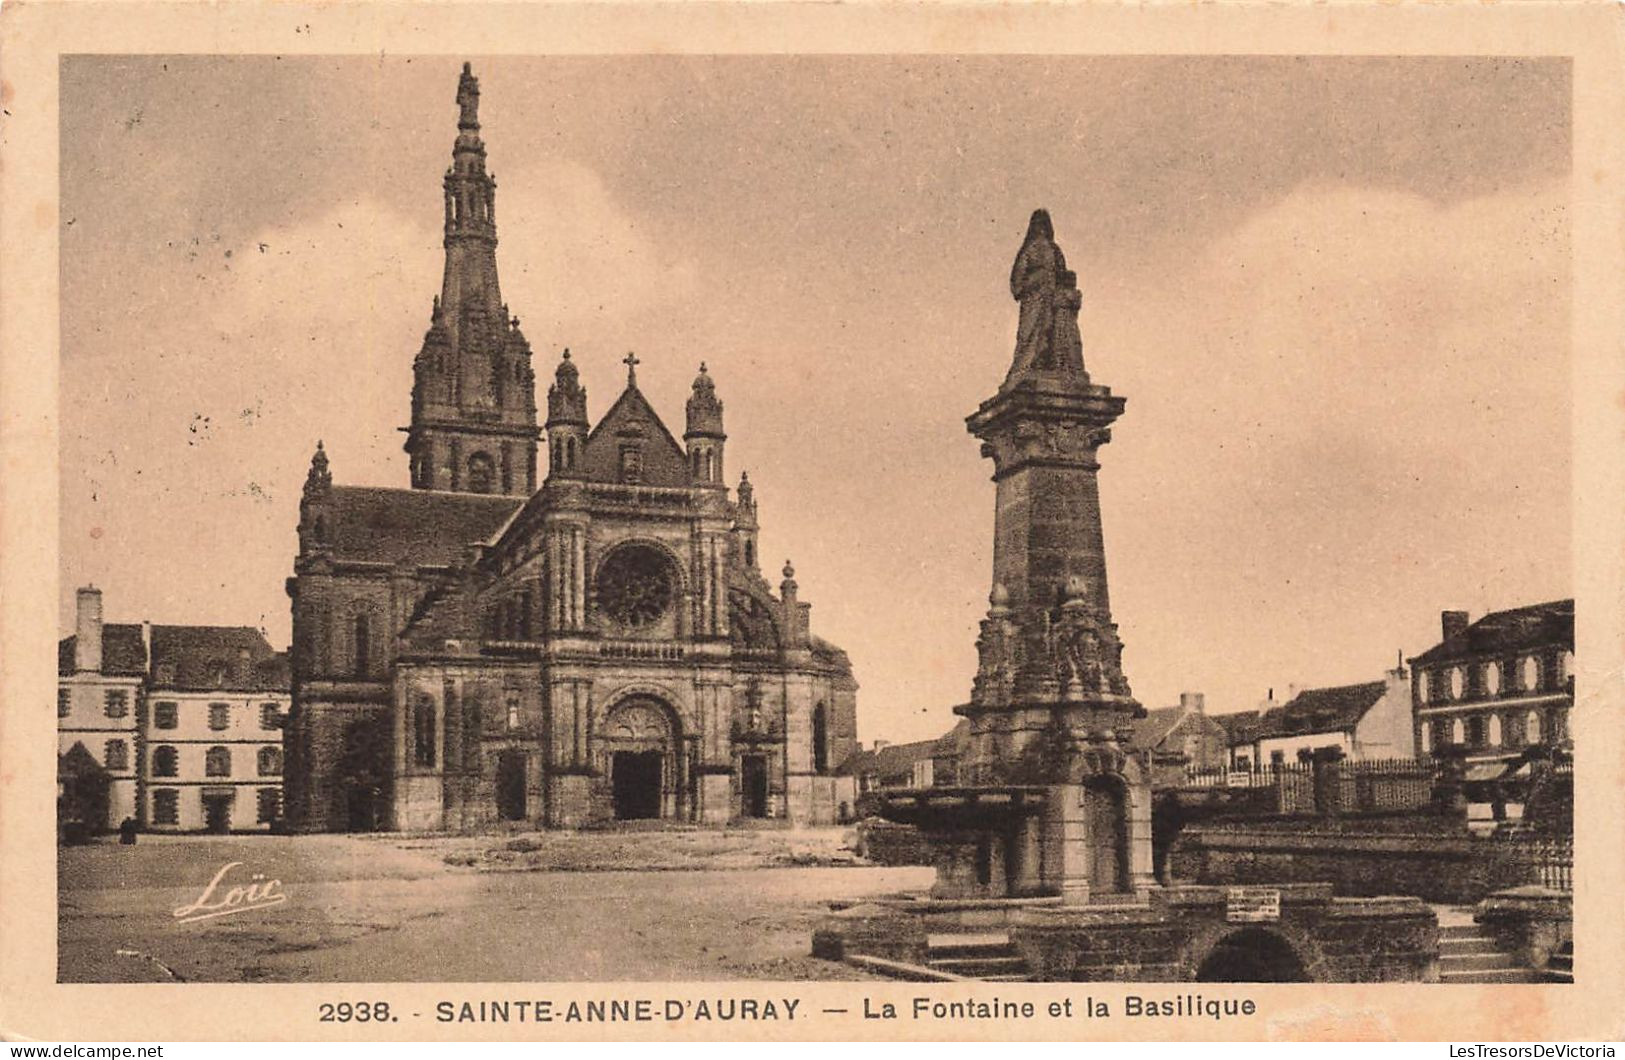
1252	905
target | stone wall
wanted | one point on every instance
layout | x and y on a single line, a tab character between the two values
886	843
1425	855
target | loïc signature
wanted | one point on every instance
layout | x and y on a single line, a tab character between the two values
256	894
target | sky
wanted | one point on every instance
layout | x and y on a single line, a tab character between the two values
1334	291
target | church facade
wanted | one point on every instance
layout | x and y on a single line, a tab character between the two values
562	624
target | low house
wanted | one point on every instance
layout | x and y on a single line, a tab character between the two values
1364	721
892	765
1241	730
1181	739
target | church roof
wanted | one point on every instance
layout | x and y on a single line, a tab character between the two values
422	527
632	418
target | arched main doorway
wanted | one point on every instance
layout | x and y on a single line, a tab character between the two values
640	748
1251	955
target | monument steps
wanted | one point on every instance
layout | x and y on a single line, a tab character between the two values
986	956
1467	955
1560	966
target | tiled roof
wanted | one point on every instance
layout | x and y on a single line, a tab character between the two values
1520	628
894	760
1152	729
1241	726
422	527
233	658
123	653
1321	710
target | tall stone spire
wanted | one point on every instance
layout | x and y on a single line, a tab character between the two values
474	393
1049	638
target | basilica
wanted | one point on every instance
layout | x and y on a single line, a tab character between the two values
563	625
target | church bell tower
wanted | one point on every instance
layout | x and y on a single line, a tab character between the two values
473	393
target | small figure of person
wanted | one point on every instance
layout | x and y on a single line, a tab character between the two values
126	831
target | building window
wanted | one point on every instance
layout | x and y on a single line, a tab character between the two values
165	715
1565	669
1458	732
117	755
1425	733
363	646
1422	687
219	716
1531	673
217	762
1492	679
1531	727
1495	730
1458	682
269	802
631	464
512	703
166	805
165	762
423	731
64	701
270	716
118	702
1476	736
820	739
270	762
1554	725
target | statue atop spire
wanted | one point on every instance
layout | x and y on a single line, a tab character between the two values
468	99
1047	337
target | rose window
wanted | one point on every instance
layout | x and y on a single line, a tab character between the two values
635	585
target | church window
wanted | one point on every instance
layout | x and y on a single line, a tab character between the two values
512	703
423	731
219	716
363	646
118	702
750	554
569	452
64	701
217	762
820	739
269	762
117	754
481	473
165	762
1427	739
635	585
269	805
166	806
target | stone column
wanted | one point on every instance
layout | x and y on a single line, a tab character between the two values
1066	845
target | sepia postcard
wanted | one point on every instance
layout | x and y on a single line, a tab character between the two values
786	521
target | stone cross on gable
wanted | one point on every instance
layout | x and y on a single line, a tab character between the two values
631	361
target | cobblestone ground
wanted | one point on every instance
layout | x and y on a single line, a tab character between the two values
517	907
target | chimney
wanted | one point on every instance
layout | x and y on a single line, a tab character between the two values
1192	701
87	644
1454	627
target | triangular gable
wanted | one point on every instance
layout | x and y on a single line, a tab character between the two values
632	421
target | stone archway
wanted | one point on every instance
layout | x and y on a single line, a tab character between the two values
1252	955
641	742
